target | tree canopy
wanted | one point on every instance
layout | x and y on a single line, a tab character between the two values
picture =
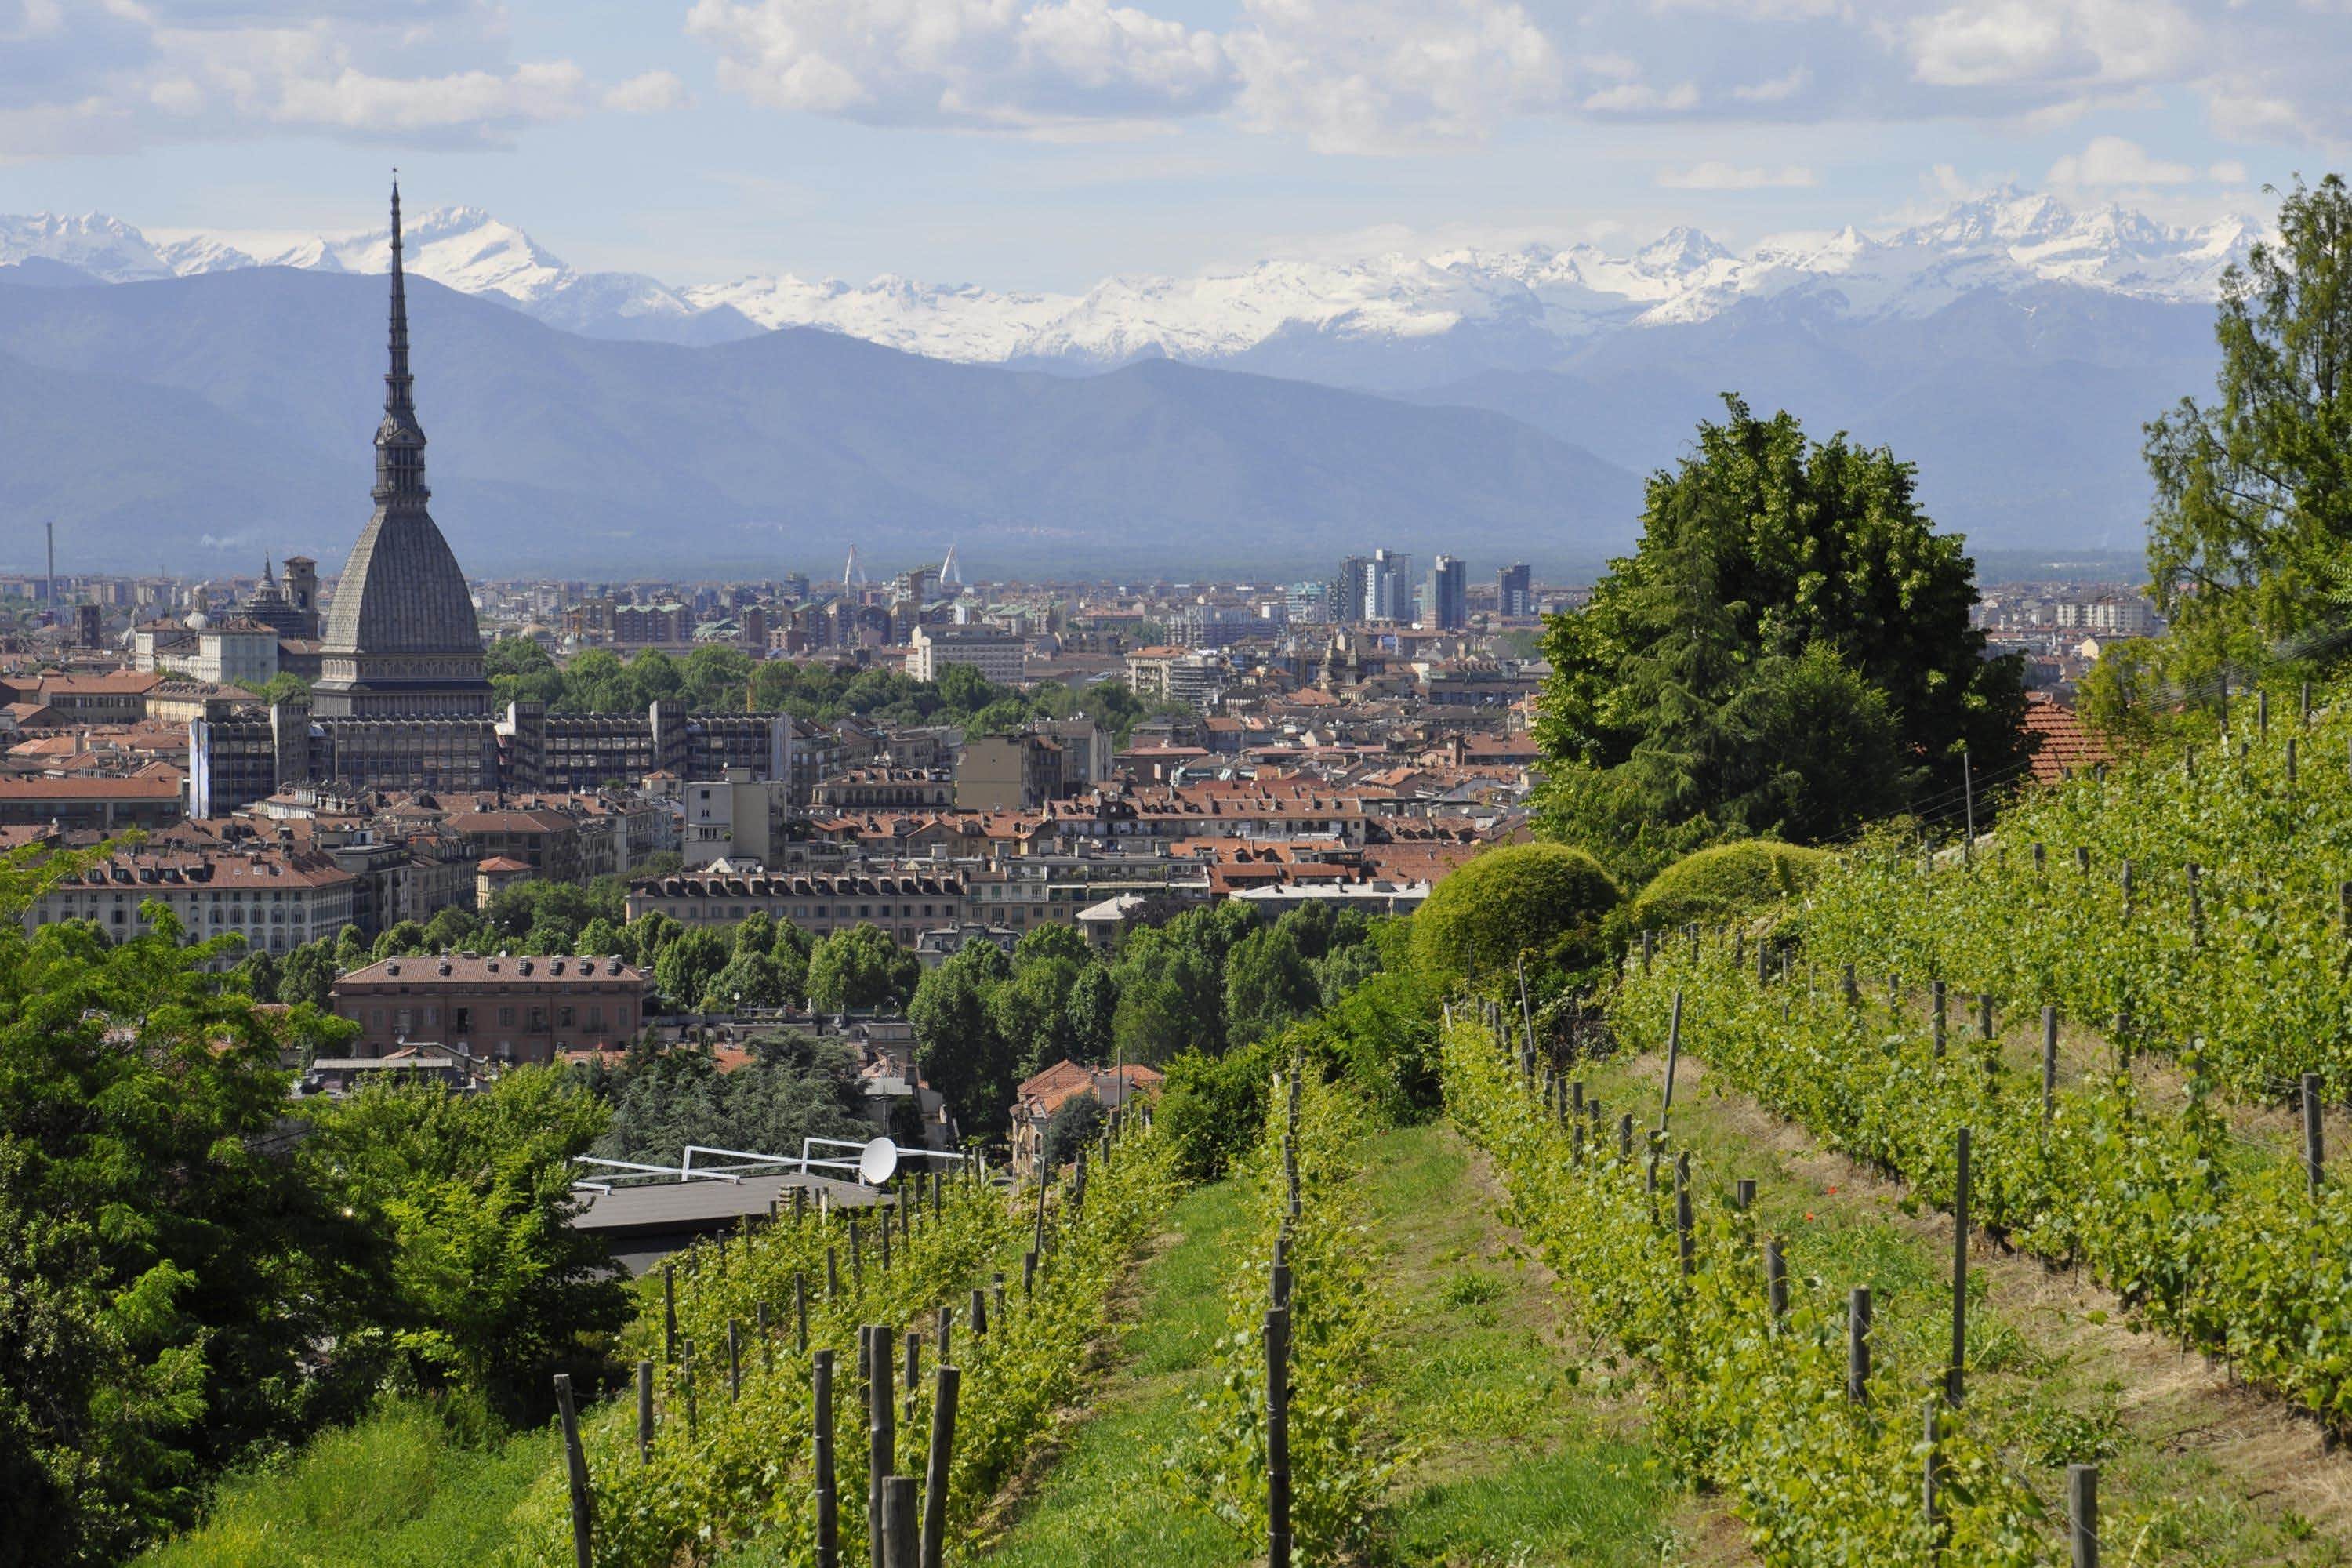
1541	902
1787	651
2249	538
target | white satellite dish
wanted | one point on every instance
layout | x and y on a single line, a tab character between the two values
876	1161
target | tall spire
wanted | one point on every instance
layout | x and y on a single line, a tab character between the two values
399	439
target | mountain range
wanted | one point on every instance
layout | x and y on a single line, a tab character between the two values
200	422
2011	346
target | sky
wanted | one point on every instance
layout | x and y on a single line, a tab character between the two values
1045	143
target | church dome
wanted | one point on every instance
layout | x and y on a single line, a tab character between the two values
401	592
198	622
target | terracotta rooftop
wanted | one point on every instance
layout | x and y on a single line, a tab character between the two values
2063	743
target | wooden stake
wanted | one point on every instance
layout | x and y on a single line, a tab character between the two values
575	1463
2083	1514
1857	1345
644	1412
950	1383
1954	1374
828	1526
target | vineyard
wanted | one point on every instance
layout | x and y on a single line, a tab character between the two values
1972	1206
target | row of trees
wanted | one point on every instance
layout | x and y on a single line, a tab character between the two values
726	679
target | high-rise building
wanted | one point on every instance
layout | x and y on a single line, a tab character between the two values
401	640
1515	592
1448	605
1352	593
1308	604
1389	596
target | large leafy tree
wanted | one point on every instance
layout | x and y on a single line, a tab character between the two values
962	1052
166	1275
861	968
1787	651
2249	542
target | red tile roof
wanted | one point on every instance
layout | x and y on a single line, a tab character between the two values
2062	742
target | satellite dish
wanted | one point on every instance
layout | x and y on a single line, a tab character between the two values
876	1161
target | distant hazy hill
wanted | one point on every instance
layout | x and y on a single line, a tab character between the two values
201	420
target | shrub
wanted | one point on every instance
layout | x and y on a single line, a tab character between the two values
1543	902
1212	1108
1720	884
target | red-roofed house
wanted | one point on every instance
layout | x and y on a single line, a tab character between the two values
2063	743
1034	1102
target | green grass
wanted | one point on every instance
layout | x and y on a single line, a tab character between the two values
393	1488
1517	1458
1103	1501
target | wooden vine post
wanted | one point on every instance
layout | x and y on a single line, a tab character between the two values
1277	1438
575	1464
828	1521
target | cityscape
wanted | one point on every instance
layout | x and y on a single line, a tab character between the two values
1564	787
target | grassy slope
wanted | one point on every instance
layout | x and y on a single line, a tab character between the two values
1515	1464
1102	1501
2192	1470
391	1489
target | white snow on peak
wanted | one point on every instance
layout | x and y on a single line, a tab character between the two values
2006	240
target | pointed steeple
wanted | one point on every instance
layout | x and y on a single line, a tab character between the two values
399	439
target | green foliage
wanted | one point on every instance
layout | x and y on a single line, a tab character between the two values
1379	1036
1789	634
1031	1011
401	939
714	679
1075	1123
2207	1235
860	969
1755	1407
1541	902
488	1284
1722	884
166	1279
741	1476
1267	984
425	1483
1340	1464
687	965
958	1046
2249	538
794	1087
1212	1108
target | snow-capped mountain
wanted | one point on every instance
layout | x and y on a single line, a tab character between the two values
1505	308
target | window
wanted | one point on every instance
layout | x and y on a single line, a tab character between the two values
432	1016
375	1017
461	1020
399	1021
506	1017
563	1016
596	1015
539	1020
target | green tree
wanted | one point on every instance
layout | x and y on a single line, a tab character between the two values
1092	1010
1075	1123
683	970
1775	575
2250	540
172	1294
1267	984
350	952
259	970
399	940
308	974
1031	1013
490	1284
749	979
452	929
605	937
1049	941
861	968
957	1043
794	1087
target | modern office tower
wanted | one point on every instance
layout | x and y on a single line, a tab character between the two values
1448	605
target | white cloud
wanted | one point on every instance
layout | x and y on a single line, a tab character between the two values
652	93
1715	175
1641	98
2113	161
1371	75
2229	171
2042	42
1779	90
998	63
117	75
